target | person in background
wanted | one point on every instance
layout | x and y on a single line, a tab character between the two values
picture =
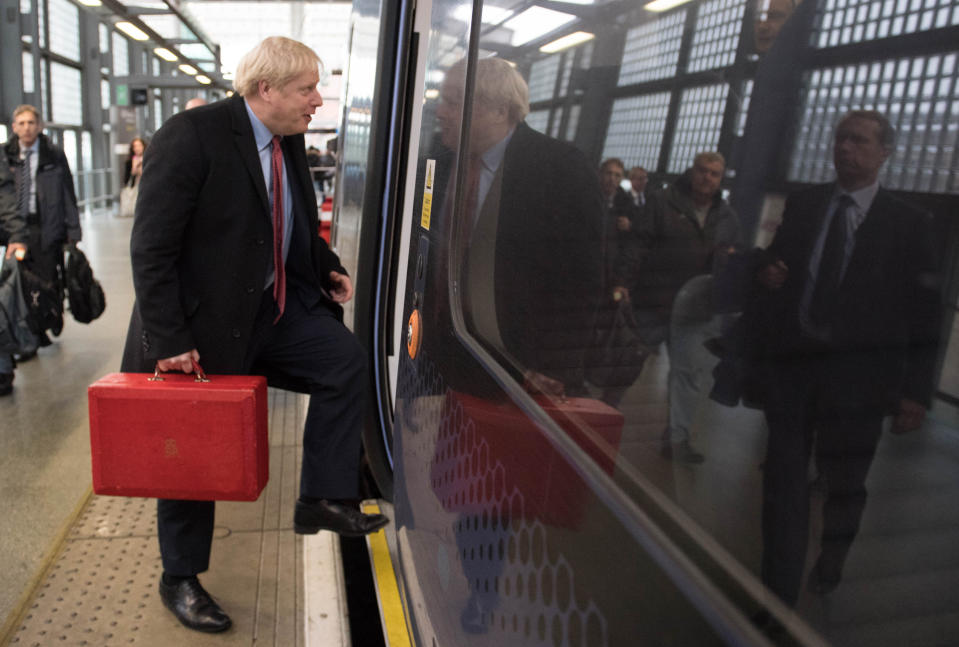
195	102
13	234
230	269
46	199
638	179
847	311
684	232
133	167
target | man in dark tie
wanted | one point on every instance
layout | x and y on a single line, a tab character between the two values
638	178
229	270
845	332
46	200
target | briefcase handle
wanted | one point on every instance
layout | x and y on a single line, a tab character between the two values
197	370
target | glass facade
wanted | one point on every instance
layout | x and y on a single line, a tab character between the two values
64	29
66	105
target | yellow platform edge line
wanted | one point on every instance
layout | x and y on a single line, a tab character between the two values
391	603
22	606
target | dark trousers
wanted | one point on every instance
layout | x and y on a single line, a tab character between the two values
803	411
314	348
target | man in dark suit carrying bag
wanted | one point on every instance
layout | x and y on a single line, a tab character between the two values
847	308
229	269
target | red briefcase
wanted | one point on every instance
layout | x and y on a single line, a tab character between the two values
495	443
178	436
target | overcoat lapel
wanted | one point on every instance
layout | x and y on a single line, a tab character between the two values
870	242
246	146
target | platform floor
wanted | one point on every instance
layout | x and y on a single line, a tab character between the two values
81	569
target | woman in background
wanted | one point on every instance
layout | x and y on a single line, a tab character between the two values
131	177
134	163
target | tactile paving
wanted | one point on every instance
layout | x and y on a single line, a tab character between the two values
102	587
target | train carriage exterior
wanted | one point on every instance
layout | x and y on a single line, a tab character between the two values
529	516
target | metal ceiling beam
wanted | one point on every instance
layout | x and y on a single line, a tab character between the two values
121	11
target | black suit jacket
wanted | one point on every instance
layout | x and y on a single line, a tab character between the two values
548	261
202	240
886	328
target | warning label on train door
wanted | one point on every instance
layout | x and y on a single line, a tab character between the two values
428	193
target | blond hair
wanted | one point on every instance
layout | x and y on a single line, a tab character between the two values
710	157
498	84
26	107
276	60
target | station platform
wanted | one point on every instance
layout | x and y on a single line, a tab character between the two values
82	569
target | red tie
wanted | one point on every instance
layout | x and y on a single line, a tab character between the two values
279	280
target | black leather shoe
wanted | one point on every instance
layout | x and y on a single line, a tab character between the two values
310	518
193	606
6	383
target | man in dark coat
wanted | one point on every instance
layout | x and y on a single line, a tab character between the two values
521	258
222	183
13	234
847	333
685	231
531	271
46	198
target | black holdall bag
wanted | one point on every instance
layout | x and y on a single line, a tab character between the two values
16	332
618	350
45	300
87	301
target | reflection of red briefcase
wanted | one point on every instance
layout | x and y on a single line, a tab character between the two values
482	435
178	437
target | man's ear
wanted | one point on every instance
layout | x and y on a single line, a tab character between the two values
264	89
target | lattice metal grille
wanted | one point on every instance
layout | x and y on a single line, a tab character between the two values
853	21
636	126
918	95
652	50
717	34
542	78
697	129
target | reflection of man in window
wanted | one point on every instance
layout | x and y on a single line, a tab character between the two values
771	15
531	249
847	330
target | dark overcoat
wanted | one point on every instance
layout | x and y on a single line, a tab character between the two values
885	330
56	196
548	265
202	240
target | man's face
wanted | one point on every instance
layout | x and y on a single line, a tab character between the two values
858	152
27	128
771	15
609	178
488	124
705	178
292	105
638	178
449	111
